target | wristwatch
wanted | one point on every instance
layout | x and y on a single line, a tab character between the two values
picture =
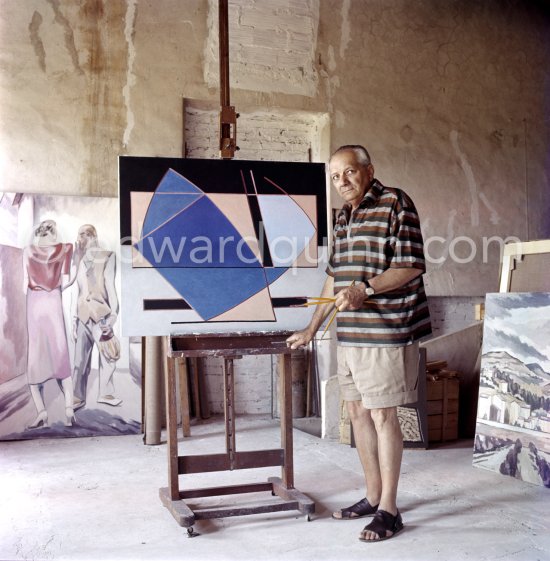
369	291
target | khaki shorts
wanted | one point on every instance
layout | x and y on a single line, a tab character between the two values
378	376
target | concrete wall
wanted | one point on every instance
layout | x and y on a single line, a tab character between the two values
449	96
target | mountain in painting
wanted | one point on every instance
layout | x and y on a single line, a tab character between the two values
515	368
539	371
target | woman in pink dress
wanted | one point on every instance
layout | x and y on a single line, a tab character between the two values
46	262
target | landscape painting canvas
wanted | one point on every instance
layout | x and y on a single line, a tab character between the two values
220	245
513	415
65	369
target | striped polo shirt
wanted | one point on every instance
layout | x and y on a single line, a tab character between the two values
382	233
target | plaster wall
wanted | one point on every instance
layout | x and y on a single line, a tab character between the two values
448	96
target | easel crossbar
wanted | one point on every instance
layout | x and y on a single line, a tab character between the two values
205	514
226	462
226	490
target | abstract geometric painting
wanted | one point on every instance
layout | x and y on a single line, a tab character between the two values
65	370
218	245
513	415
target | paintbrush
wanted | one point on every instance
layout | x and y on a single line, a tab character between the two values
314	301
333	316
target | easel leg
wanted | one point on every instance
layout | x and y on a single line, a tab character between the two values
284	487
285	406
184	395
229	409
196	395
171	424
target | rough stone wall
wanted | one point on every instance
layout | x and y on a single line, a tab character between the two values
274	135
255	377
273	45
452	313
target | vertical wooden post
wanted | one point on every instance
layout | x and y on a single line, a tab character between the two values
171	422
285	408
229	409
309	372
204	406
228	117
143	384
194	362
444	414
153	368
223	15
184	395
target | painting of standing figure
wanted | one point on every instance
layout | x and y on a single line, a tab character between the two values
65	369
96	314
46	263
513	414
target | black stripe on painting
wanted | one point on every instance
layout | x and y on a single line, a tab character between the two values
260	231
166	304
288	302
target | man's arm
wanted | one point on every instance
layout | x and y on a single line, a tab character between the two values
303	337
391	279
352	298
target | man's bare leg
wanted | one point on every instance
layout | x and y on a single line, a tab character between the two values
390	453
366	441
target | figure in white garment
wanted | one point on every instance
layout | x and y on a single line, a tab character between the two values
96	313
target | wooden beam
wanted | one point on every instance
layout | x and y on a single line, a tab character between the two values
171	423
224	462
228	117
181	363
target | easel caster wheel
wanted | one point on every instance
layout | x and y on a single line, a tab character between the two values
191	532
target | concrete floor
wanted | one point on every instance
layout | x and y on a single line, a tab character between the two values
97	499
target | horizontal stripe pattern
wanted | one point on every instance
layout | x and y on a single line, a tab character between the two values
382	233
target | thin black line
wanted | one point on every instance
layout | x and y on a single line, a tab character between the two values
226	321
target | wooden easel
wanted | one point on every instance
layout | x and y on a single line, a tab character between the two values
231	347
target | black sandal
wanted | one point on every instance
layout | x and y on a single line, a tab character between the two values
360	509
382	523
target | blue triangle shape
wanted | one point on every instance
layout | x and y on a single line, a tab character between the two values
173	182
163	207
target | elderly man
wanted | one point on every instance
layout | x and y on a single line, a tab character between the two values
375	273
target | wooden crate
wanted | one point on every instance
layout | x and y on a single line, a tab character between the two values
442	409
